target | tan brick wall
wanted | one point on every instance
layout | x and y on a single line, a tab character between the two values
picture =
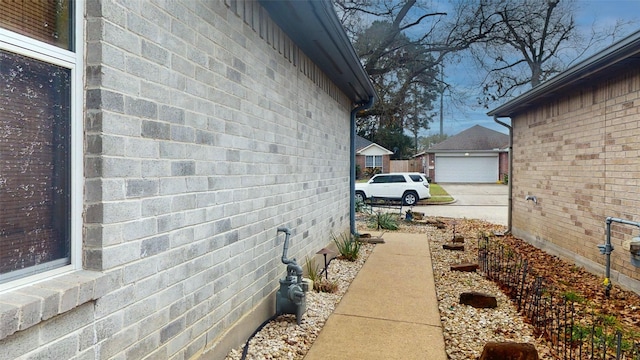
503	165
578	154
386	163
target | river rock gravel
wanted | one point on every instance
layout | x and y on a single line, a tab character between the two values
282	338
465	329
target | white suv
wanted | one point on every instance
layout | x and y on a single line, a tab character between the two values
407	187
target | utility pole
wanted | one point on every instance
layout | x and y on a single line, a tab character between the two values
441	98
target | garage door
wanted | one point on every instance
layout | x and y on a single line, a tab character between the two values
466	169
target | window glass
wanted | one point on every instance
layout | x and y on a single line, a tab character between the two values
45	20
368	161
397	178
380	179
416	178
35	117
378	161
372	161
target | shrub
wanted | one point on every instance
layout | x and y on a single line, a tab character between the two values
369	172
348	246
386	221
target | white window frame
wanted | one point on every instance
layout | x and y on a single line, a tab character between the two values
73	60
374	157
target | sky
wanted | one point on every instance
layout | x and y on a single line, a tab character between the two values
457	119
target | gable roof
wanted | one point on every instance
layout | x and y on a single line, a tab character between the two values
624	54
476	138
363	144
314	27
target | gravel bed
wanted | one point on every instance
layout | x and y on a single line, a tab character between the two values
465	328
283	338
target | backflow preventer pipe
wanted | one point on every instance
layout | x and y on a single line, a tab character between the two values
292	265
607	248
291	298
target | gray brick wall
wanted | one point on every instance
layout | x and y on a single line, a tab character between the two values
578	154
202	137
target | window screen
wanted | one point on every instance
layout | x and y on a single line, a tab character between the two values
34	166
45	20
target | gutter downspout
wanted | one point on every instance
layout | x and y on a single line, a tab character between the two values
352	162
510	182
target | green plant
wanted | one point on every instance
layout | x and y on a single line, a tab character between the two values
571	296
348	246
319	284
312	271
580	332
608	320
385	221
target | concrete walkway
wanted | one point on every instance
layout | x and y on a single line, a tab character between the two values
390	310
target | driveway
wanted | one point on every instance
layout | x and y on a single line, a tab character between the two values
487	202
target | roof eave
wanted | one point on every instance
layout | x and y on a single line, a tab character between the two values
387	151
433	151
315	28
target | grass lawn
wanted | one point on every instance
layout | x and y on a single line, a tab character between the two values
438	195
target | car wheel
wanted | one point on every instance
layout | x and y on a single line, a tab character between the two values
360	196
409	198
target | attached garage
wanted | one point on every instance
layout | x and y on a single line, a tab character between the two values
469	168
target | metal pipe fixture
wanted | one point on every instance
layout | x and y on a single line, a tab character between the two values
510	177
291	297
607	248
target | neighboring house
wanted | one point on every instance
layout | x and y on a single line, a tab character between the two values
370	156
475	155
576	147
148	152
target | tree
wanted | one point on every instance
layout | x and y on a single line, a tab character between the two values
394	139
427	141
531	41
403	75
416	114
401	50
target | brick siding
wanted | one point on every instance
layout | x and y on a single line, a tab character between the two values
578	154
206	129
